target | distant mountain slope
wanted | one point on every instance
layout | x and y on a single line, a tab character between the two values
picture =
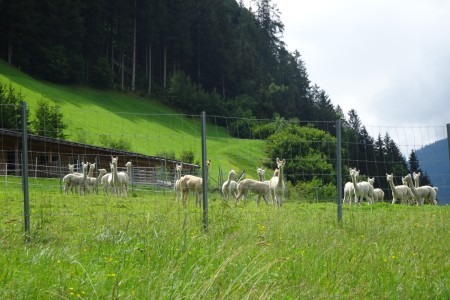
434	160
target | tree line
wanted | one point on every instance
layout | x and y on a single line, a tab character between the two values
227	59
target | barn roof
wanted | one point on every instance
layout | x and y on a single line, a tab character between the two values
47	144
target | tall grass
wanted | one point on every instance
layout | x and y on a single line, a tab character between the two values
149	247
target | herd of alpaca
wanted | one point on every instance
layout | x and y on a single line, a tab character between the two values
408	192
273	188
115	181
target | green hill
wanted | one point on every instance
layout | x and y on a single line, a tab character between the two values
150	128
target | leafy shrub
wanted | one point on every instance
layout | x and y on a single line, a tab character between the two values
187	156
121	143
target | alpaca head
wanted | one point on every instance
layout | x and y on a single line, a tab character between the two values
261	171
71	168
92	167
232	174
416	175
114	160
371	180
85	167
406	179
280	163
354	174
128	164
178	167
389	177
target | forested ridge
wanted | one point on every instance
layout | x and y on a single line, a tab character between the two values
211	55
234	58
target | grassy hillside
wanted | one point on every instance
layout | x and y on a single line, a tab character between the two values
150	128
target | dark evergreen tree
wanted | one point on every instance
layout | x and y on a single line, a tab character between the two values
48	121
324	112
414	167
10	108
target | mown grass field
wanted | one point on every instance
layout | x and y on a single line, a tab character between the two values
149	247
149	127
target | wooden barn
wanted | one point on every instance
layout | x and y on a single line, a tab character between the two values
50	157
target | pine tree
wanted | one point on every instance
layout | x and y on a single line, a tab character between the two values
48	121
10	108
414	167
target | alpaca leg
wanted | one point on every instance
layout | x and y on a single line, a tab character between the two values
184	195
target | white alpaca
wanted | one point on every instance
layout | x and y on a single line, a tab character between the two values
378	194
191	183
127	176
399	192
119	180
76	179
276	184
416	177
229	187
349	192
421	193
177	186
362	190
98	180
91	181
259	188
72	171
106	180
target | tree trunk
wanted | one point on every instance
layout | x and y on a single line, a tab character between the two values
165	66
10	46
133	76
149	69
123	71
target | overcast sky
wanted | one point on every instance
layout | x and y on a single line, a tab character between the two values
387	59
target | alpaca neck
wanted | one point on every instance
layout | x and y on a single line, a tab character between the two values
413	188
391	184
91	172
114	173
355	184
84	173
280	177
229	179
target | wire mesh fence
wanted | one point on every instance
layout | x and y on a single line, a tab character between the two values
156	143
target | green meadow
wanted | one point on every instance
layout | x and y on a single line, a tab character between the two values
147	246
149	127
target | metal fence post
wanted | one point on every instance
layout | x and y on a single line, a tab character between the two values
204	174
339	170
26	200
